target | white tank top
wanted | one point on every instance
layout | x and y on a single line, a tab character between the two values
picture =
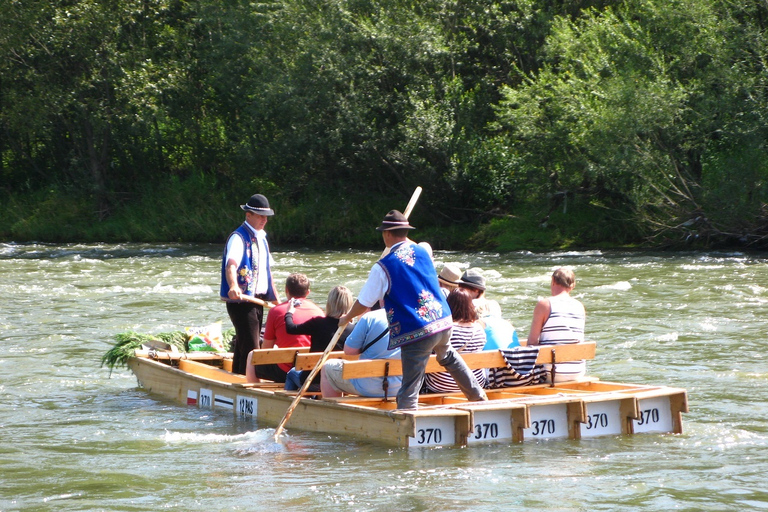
565	325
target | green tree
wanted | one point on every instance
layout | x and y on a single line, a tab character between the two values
630	109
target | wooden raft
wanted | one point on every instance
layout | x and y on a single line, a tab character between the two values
579	409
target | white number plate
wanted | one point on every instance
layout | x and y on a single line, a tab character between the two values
655	415
247	406
434	431
205	401
548	422
491	426
603	419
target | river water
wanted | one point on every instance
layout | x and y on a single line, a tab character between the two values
75	437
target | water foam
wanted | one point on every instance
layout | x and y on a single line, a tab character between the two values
257	441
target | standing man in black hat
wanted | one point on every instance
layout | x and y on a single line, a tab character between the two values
245	272
419	317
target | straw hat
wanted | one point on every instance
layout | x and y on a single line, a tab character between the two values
449	276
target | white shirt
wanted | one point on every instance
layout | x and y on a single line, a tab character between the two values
375	287
236	249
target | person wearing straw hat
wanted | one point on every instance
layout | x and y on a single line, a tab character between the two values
419	317
449	278
246	272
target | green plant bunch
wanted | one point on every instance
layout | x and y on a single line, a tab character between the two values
126	343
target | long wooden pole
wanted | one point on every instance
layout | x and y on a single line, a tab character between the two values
412	202
307	382
260	302
334	340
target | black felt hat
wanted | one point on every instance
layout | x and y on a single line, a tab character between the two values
258	204
394	220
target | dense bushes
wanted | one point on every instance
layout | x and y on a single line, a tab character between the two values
548	123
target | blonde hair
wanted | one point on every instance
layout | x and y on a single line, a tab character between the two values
339	301
564	276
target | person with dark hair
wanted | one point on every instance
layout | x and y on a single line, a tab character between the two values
467	336
419	317
499	333
474	281
246	274
320	330
297	286
560	319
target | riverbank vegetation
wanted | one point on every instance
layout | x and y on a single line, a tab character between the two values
531	124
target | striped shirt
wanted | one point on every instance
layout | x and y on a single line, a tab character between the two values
565	325
463	339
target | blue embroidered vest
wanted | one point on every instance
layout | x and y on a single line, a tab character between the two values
416	308
247	270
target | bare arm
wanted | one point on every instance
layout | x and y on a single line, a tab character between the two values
268	343
231	275
351	351
250	371
540	315
357	310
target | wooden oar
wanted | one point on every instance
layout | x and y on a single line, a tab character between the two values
407	213
307	382
260	302
412	202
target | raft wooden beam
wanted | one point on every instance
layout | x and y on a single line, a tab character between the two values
309	360
277	355
486	359
176	356
209	372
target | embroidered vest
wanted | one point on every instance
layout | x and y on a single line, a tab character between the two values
416	308
247	270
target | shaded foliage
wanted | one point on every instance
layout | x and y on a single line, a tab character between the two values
642	115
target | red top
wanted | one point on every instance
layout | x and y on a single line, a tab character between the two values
275	326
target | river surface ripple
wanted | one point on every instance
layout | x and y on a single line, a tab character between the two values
75	437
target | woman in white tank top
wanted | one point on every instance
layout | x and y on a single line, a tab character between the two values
560	319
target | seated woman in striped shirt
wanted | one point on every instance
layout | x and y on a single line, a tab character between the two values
468	335
560	319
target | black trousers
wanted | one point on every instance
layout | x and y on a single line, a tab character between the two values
246	318
270	372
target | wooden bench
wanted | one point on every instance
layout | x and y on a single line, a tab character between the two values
277	355
309	360
299	357
486	359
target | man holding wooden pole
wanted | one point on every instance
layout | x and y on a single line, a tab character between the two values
246	279
419	317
